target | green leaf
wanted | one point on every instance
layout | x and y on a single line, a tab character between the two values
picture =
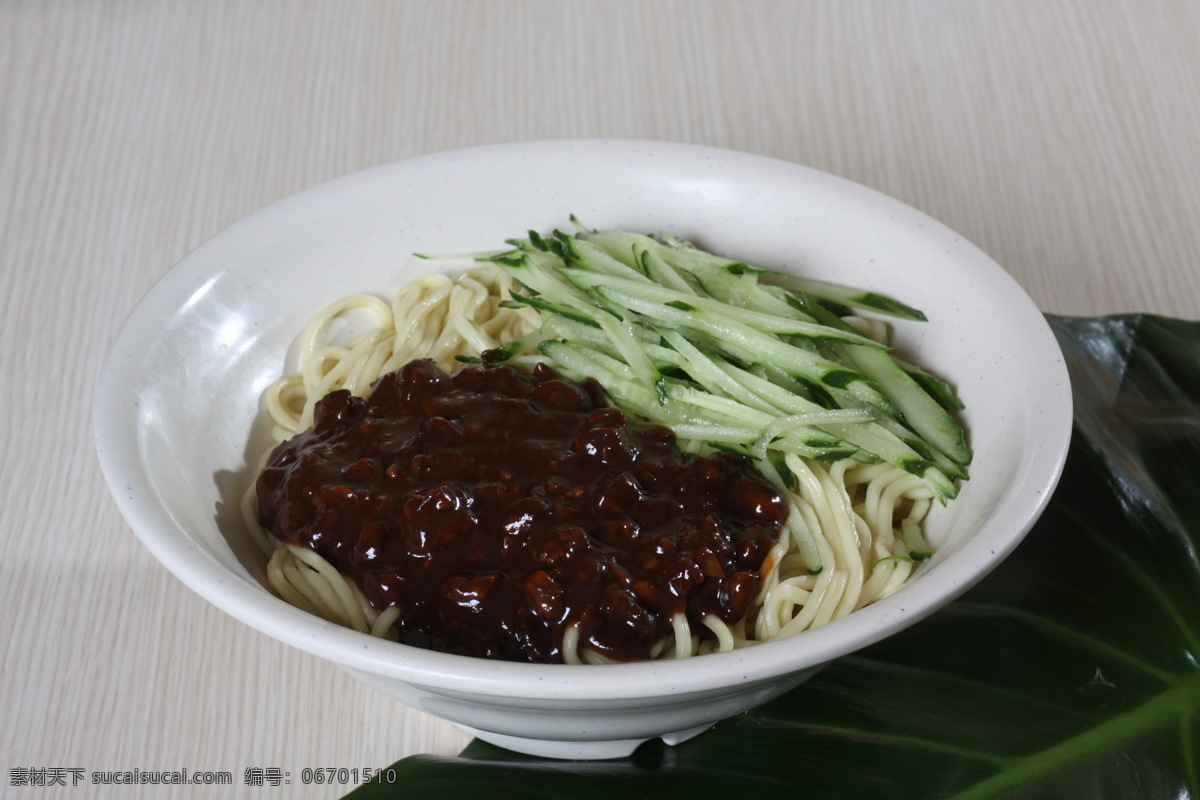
1073	671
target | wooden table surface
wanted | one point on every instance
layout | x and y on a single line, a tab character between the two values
1060	137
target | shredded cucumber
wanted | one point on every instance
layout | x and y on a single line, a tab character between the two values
739	357
914	540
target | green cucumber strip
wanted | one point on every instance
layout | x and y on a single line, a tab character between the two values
594	337
757	320
632	251
714	432
729	281
700	256
797	434
705	371
893	425
805	389
621	243
769	302
828	394
806	544
536	272
559	327
786	399
798	418
874	438
556	295
732	282
536	301
825	454
921	411
807	439
527	257
618	245
732	288
793	359
619	381
937	388
615	367
477	256
691	414
951	469
595	258
871	438
802	424
785	474
724	407
886	559
914	540
622	336
513	348
659	271
844	295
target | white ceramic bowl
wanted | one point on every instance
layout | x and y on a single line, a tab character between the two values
178	396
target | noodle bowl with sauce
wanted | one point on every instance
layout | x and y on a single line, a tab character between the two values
179	394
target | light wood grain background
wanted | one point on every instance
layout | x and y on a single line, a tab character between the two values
1058	136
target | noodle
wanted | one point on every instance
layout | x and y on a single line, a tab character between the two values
843	516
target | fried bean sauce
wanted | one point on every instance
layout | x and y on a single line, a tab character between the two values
496	508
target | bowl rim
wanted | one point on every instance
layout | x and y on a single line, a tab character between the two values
115	424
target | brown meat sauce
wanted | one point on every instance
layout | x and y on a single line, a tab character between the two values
496	508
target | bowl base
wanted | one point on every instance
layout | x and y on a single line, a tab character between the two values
578	751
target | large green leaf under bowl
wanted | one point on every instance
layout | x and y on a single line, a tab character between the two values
1072	671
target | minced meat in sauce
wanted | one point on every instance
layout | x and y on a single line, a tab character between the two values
496	508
